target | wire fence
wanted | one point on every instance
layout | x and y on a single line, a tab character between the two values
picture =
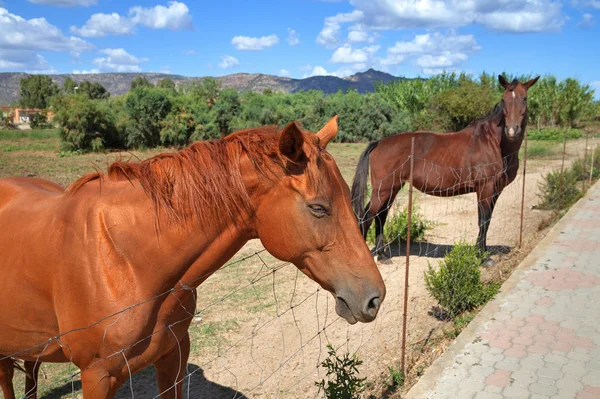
261	328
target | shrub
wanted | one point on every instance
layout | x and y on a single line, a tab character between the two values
146	108
396	227
396	377
83	125
39	121
177	128
554	134
342	380
457	284
553	196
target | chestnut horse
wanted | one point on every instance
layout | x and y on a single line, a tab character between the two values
482	158
104	274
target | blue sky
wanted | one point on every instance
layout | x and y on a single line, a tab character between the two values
299	38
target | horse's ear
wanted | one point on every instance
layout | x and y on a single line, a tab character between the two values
503	82
530	83
328	132
290	142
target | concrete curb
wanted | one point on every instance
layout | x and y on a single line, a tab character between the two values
428	382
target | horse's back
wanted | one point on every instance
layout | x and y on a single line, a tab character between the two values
12	188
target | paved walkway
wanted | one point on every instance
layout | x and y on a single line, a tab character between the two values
541	337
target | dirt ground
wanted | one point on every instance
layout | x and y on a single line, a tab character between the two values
262	327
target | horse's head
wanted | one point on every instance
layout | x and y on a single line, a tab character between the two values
514	101
306	218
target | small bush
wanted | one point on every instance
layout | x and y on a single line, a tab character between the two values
555	195
342	380
396	377
396	227
84	125
457	284
39	121
554	134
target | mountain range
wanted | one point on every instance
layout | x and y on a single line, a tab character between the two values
119	83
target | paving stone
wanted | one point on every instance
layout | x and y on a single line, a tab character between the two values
544	341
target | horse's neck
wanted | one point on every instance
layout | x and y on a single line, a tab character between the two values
162	254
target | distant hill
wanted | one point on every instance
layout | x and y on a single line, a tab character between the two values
118	83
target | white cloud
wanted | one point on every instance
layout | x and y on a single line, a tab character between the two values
587	21
284	72
228	61
329	35
318	71
118	60
190	52
21	39
306	67
348	55
174	17
65	3
504	15
340	73
85	72
100	25
293	37
254	43
433	50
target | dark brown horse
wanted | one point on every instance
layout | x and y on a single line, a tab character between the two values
104	274
482	158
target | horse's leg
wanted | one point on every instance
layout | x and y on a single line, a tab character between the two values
171	370
97	383
7	371
31	378
487	201
383	203
381	248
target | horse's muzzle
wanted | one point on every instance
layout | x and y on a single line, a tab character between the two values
512	132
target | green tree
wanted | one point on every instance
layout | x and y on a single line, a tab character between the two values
226	108
461	105
69	86
145	108
166	83
140	81
36	91
205	90
94	91
84	124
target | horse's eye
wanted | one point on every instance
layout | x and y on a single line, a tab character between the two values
318	210
525	99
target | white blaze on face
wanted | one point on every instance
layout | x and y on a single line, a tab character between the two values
511	132
513	93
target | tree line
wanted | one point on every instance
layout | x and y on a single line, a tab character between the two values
174	115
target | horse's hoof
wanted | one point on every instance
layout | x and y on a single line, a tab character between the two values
488	263
384	260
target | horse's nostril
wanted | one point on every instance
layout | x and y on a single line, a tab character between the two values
373	306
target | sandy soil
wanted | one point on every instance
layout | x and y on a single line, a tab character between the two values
263	327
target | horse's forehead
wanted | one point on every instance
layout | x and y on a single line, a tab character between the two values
518	91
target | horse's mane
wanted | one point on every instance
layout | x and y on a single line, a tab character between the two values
490	115
204	180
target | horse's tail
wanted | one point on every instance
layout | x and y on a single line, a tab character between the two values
359	185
